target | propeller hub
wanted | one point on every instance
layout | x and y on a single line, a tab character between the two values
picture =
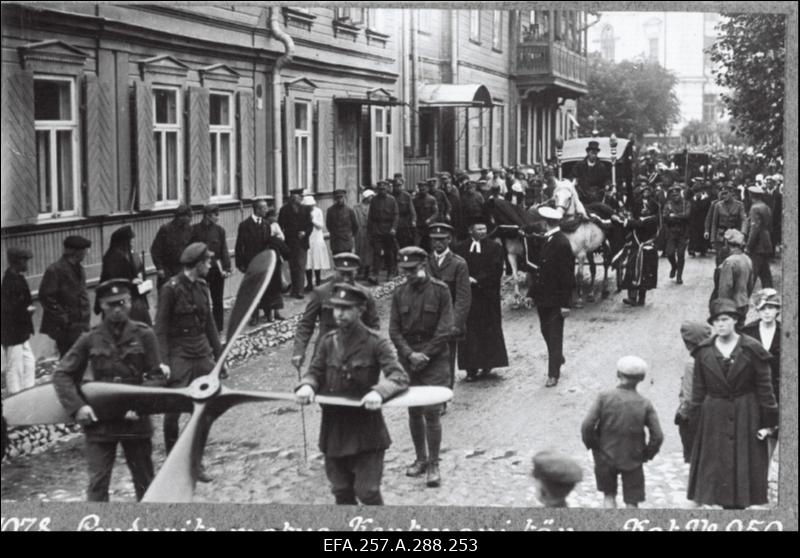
204	387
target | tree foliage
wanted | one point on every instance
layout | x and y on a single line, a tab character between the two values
631	97
750	55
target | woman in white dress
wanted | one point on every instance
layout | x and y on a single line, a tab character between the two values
318	258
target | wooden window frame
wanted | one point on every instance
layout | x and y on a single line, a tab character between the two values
385	135
164	128
296	137
52	127
216	131
475	21
497	30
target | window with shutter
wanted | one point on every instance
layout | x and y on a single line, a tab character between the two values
247	152
144	146
223	150
381	142
200	160
167	135
19	187
303	160
57	150
100	141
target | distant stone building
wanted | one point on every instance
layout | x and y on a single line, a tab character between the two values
677	41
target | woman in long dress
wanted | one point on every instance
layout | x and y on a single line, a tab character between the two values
318	259
732	392
121	262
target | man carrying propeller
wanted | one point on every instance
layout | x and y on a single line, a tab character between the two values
118	350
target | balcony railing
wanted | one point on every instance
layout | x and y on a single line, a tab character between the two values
541	59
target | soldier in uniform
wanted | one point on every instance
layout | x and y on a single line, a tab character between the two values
554	476
382	221
341	224
349	362
676	220
727	214
427	212
451	269
320	309
63	295
187	336
442	202
169	243
407	216
117	350
421	325
212	234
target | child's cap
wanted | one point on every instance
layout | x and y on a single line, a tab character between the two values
632	367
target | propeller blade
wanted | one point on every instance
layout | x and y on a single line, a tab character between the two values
228	398
251	289
36	405
176	480
415	396
110	401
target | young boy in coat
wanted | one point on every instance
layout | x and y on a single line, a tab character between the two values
614	430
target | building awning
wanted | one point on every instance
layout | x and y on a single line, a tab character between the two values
377	96
451	95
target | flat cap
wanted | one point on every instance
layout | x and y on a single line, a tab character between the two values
346	261
183	210
296	191
345	294
733	236
195	252
550	213
766	297
440	230
339	192
113	289
77	242
721	306
15	253
411	256
210	209
674	187
553	467
632	366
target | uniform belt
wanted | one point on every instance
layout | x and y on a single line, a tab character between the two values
729	397
415	338
186	332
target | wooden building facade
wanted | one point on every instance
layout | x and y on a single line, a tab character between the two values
116	114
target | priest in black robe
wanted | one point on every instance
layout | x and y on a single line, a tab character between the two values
483	347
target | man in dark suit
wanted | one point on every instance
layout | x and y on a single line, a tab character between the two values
63	295
16	325
252	238
591	176
452	270
553	291
295	221
169	243
483	346
759	236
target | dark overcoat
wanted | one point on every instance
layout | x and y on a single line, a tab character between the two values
752	329
729	465
65	300
483	346
16	322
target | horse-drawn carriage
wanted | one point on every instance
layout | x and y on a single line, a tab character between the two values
692	163
617	154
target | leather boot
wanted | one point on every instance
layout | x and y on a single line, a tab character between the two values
434	479
417	468
642	296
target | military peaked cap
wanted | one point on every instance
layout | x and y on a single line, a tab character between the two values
346	261
440	230
345	294
411	256
113	289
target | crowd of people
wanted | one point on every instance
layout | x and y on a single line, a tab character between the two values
446	316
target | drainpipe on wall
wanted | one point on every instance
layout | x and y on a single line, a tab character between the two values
415	148
277	145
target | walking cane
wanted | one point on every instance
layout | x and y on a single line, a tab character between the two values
303	419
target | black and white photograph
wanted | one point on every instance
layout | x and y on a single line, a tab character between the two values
337	262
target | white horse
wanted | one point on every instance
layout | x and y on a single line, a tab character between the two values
586	239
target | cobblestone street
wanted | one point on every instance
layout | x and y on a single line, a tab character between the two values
491	429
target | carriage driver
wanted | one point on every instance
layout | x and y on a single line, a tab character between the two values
591	176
